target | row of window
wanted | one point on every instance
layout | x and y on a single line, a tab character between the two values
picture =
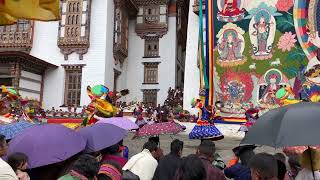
20	26
74	7
73	19
73	83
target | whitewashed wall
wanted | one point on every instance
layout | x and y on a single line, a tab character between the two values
191	73
96	60
30	85
166	68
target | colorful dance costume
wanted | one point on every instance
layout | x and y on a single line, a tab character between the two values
205	128
251	117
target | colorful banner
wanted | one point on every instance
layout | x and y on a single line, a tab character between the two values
12	10
261	46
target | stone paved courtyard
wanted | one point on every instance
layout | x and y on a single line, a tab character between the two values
224	147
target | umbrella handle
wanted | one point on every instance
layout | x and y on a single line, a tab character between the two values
312	169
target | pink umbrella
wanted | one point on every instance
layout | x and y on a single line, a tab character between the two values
121	122
157	129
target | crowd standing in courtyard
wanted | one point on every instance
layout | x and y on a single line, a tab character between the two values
111	164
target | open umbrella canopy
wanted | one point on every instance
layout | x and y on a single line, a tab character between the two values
121	122
292	125
100	136
157	129
47	144
13	129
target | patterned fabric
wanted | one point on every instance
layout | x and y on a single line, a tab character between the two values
300	14
205	132
110	171
11	130
157	129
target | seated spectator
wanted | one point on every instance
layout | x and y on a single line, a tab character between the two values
6	172
310	161
110	170
240	170
85	168
113	153
263	167
169	164
191	168
144	163
205	152
19	163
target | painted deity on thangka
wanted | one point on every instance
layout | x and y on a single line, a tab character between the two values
231	45
230	10
236	89
268	85
262	28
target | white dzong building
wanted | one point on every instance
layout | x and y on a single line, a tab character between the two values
192	73
124	44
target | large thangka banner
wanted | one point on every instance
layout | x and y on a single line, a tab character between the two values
263	45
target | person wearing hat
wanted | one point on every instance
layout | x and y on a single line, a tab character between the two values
240	170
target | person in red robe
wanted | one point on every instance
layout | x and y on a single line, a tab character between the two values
230	8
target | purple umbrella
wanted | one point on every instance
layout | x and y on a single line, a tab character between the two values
121	122
47	144
100	136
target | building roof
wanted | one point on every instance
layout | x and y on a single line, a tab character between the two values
26	60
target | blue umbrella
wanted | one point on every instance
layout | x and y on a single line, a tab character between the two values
100	136
11	130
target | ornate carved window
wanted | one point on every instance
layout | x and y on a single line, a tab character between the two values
152	18
150	96
151	14
151	73
72	91
151	47
121	32
74	27
17	37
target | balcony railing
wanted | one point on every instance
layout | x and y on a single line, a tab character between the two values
16	39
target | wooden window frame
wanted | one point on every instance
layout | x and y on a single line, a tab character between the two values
151	69
154	17
73	20
147	96
72	71
151	42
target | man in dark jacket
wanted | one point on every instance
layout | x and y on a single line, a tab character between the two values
205	152
169	164
240	171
